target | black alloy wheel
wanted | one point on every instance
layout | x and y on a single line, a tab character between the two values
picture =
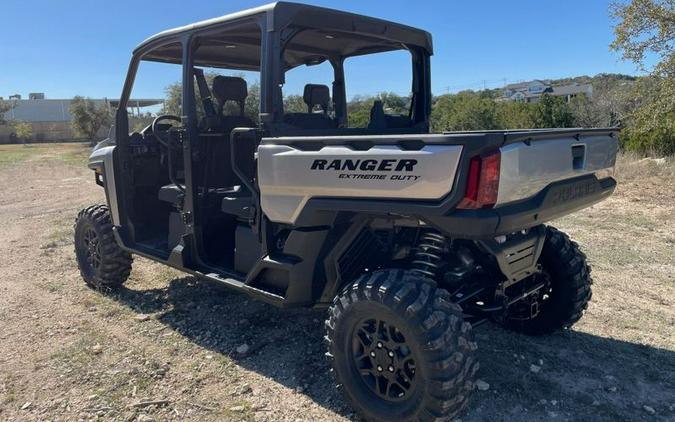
384	359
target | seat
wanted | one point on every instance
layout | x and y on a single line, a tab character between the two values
380	121
220	180
219	171
234	199
238	202
313	95
171	194
231	88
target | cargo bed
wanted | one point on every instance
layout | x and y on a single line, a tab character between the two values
543	174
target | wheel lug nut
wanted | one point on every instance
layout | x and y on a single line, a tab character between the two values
372	354
391	368
391	354
379	344
379	368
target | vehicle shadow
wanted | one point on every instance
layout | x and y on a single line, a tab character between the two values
285	345
577	375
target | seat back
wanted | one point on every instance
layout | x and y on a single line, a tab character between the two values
231	88
313	95
316	95
219	172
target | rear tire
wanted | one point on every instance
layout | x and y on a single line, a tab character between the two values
570	281
102	263
399	348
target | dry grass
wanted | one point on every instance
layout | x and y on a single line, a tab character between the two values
73	353
69	153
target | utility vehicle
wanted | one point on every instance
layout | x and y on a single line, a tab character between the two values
409	238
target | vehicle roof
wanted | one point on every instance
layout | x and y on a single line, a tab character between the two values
282	14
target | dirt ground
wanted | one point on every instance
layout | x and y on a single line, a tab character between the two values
167	347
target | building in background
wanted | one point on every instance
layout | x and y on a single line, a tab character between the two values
532	91
50	118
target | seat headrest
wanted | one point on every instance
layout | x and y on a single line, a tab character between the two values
316	95
229	88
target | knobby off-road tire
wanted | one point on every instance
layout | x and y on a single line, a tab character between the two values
102	263
570	280
400	349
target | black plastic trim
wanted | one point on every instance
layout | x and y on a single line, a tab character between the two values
556	200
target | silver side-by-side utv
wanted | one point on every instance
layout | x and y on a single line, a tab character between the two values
409	238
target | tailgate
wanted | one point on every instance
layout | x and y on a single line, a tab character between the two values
528	167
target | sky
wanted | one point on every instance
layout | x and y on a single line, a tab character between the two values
83	47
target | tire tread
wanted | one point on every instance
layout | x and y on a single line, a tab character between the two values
448	347
116	263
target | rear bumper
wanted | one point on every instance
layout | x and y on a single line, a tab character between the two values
554	201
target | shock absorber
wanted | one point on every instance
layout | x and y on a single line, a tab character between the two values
429	253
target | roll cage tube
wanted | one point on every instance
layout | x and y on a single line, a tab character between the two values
420	108
121	117
338	89
122	155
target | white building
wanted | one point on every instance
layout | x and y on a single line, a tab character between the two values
50	118
531	92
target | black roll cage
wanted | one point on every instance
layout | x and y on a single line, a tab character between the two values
273	21
279	23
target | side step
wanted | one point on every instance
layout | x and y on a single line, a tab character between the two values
241	286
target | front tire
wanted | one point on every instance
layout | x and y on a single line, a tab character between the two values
102	263
570	281
400	349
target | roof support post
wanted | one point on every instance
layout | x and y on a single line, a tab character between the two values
271	102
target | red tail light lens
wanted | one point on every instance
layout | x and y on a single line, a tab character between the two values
483	183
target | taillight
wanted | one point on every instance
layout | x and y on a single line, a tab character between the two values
482	185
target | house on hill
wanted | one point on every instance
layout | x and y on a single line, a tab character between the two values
532	91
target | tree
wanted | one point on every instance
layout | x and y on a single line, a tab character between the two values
23	130
88	119
294	104
394	103
614	100
5	106
646	28
463	111
650	129
553	112
515	115
358	111
252	103
358	108
173	97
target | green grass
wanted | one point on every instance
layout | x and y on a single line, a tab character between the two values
93	370
79	355
54	286
14	154
74	154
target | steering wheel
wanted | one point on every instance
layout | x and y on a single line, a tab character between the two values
162	136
